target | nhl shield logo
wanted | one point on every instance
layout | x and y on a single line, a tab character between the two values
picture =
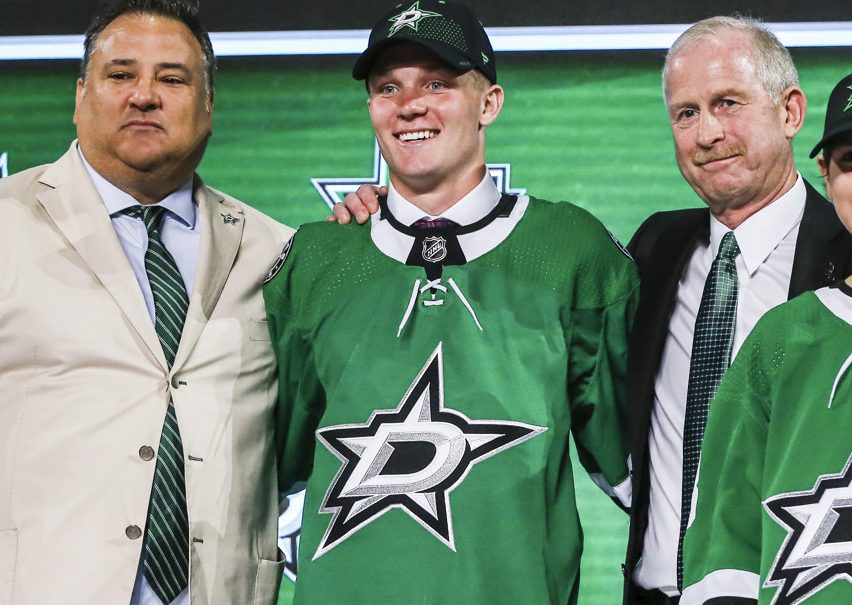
434	249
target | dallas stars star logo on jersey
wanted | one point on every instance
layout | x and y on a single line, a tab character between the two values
410	458
410	17
818	547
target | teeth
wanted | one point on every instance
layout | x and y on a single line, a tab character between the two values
416	136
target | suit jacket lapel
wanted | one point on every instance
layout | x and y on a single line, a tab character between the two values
820	254
75	207
221	223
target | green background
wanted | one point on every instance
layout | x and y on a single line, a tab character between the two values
585	127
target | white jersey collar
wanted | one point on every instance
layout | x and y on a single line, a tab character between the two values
472	207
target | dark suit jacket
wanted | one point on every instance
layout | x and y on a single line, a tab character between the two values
662	246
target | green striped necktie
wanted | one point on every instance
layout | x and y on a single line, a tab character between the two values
166	555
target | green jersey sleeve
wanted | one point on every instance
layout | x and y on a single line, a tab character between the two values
597	372
300	394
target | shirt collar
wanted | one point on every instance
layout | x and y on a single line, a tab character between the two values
761	233
179	202
472	207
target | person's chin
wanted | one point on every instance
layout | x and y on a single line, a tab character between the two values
144	162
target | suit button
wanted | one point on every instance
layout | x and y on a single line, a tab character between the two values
175	382
133	532
146	452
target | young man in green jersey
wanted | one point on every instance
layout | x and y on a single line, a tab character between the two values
433	363
773	521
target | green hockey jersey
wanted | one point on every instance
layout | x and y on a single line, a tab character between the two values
773	521
429	380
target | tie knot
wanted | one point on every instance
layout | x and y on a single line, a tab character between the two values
728	249
434	223
152	216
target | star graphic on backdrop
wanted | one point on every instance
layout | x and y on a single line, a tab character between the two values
333	190
410	458
818	548
410	17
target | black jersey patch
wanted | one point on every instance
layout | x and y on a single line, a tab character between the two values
279	262
618	243
410	458
818	547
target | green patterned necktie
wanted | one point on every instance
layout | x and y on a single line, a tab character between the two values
166	556
712	342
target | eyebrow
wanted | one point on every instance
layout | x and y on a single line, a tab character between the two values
132	62
728	92
716	96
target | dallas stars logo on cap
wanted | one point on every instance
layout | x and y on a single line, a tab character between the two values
410	17
848	101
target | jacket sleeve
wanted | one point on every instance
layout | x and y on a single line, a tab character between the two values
722	544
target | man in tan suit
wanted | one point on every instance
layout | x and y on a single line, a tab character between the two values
107	385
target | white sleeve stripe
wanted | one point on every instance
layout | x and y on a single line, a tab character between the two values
722	583
623	491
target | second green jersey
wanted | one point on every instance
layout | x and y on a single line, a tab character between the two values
773	521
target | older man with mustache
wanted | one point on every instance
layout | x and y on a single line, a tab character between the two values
734	102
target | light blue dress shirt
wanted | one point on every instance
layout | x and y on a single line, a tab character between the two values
179	231
181	236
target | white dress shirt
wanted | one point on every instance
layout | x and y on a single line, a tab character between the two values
181	237
767	242
475	205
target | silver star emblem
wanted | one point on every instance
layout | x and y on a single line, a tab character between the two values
410	17
818	548
229	219
409	458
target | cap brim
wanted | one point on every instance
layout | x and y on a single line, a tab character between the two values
361	69
839	129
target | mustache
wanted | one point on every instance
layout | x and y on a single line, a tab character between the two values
718	153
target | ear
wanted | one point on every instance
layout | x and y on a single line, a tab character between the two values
794	105
78	98
822	164
492	102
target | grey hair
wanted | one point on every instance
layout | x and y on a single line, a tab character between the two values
772	61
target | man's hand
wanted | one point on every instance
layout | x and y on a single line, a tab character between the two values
360	204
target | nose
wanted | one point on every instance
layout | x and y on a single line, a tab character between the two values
144	96
412	104
710	129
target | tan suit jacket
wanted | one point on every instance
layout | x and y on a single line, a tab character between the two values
84	385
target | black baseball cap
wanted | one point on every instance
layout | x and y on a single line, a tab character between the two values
838	115
449	30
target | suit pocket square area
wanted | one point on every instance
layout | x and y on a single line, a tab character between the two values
259	330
